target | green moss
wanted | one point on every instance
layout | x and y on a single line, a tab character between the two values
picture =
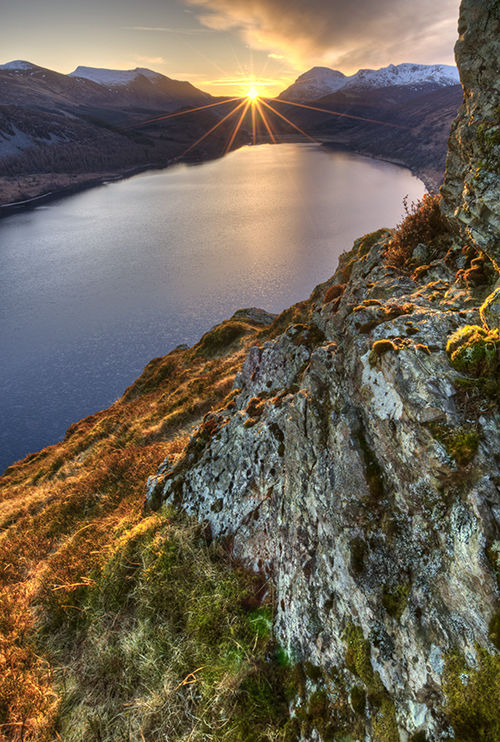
473	697
394	599
385	728
379	348
358	699
358	655
475	350
461	444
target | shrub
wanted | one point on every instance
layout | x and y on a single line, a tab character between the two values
333	292
474	350
424	222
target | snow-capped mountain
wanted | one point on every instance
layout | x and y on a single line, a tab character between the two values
104	76
17	64
321	81
315	83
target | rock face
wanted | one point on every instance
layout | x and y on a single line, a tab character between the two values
350	471
357	469
471	189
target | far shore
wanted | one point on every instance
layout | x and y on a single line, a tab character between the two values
25	192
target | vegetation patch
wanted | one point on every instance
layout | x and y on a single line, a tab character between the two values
379	348
217	340
358	655
423	223
334	292
394	599
475	351
63	513
171	642
473	697
461	444
366	243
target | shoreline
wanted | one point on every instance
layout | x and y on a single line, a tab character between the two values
17	207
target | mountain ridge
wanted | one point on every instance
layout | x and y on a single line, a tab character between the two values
320	81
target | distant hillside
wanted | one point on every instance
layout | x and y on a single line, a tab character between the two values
406	125
320	81
61	131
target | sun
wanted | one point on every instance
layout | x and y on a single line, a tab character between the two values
252	93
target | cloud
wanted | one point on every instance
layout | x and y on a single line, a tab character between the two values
341	33
241	82
166	29
151	60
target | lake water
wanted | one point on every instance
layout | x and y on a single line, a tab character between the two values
94	286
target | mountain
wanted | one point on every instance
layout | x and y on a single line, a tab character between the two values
26	84
59	131
321	81
318	554
113	77
143	87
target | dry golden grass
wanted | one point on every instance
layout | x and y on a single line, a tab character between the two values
64	513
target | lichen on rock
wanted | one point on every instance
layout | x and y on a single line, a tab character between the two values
357	484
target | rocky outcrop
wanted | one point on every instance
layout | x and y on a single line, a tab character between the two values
471	189
356	464
351	470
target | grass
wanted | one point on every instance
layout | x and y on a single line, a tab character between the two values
71	527
171	641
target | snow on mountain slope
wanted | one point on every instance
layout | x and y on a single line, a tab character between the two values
17	64
320	81
440	75
315	83
113	77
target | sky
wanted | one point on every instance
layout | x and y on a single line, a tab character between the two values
224	46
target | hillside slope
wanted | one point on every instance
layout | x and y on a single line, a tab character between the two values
317	557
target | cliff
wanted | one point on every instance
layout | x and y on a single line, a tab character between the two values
318	554
356	466
471	189
358	471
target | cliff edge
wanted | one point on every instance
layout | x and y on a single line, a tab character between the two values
356	466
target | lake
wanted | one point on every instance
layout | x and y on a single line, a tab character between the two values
94	286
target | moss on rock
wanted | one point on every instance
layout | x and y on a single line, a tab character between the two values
473	697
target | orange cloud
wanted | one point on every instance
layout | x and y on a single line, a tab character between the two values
338	32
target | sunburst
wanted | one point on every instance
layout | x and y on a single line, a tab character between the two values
262	113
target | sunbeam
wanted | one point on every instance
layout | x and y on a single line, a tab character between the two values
281	116
344	115
182	113
264	119
212	129
253	102
237	127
